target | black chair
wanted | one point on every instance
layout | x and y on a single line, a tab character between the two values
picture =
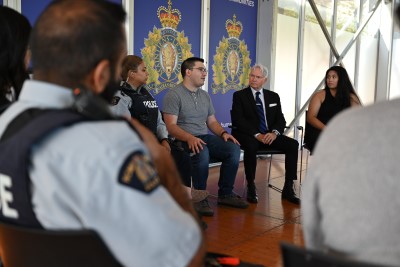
303	146
25	247
294	256
269	153
272	152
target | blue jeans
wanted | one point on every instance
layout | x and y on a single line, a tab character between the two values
216	150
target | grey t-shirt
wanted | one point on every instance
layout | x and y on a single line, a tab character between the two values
192	108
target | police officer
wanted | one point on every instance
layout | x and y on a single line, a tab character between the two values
99	173
134	100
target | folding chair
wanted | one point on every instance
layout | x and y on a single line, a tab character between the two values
303	146
24	247
294	256
275	152
270	153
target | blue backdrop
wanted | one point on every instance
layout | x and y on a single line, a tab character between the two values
157	44
231	55
32	9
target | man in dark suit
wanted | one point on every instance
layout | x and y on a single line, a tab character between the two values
258	123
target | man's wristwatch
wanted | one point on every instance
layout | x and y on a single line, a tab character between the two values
276	132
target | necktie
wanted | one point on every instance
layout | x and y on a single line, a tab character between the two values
260	111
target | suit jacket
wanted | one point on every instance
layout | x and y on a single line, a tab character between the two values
244	112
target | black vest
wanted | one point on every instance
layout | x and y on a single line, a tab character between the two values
15	146
144	107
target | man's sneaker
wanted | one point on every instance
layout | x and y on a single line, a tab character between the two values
203	208
232	200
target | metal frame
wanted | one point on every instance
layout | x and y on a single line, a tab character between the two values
339	58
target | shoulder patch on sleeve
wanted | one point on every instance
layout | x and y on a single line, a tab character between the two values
115	100
139	173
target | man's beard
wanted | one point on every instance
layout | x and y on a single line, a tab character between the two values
110	89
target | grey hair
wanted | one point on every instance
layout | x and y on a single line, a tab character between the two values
264	70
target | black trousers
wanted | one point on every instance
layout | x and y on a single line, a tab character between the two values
182	160
250	146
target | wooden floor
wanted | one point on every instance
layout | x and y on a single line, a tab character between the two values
254	234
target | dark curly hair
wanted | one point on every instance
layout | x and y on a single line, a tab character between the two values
14	38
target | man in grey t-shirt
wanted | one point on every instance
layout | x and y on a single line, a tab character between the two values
189	114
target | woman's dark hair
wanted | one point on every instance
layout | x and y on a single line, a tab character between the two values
130	62
14	37
344	87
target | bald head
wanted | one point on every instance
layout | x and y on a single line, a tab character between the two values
72	36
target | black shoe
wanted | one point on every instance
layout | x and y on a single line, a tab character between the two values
293	199
289	194
252	196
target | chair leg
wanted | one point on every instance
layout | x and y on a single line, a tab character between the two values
269	176
244	185
308	154
301	163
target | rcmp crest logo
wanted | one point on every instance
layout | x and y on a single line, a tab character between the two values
165	49
231	66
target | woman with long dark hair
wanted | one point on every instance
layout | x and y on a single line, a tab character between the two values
338	95
14	54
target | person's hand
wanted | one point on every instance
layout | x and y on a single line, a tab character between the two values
195	144
164	143
226	136
267	138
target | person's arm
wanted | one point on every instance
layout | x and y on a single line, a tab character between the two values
170	179
313	109
240	121
120	105
354	100
198	259
277	122
195	144
162	132
217	129
165	166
